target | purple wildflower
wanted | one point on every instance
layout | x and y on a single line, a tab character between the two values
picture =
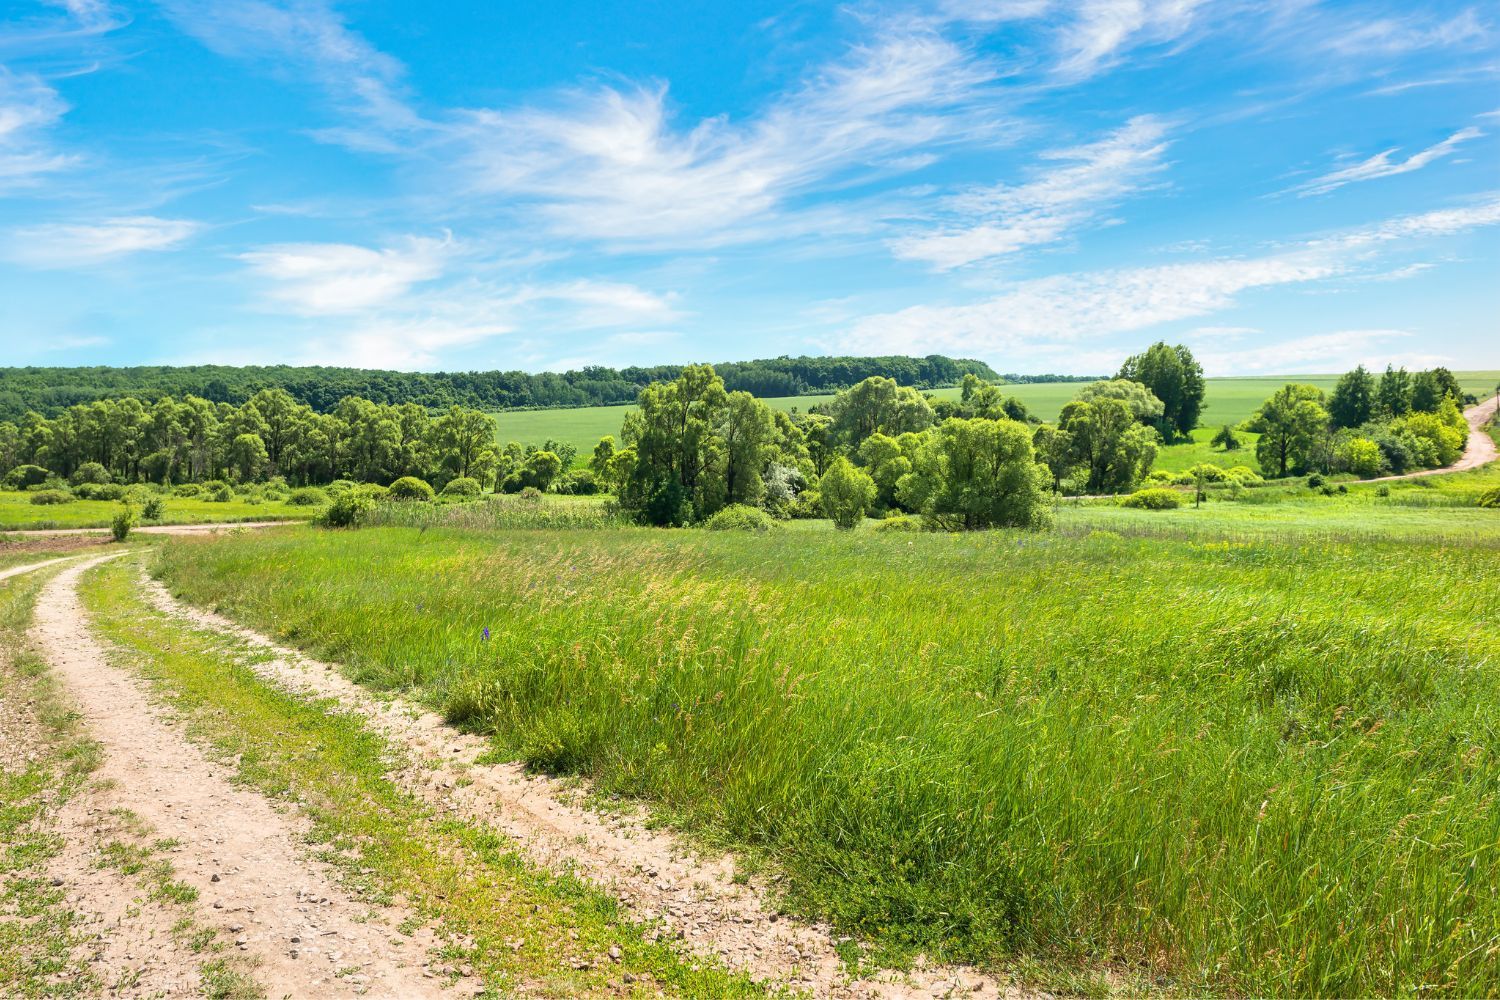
486	633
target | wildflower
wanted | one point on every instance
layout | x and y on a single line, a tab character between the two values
486	633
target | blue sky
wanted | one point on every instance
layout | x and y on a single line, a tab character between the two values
1284	185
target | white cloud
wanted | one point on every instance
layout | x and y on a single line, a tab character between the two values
1047	315
1317	353
1007	218
28	108
1103	31
1400	35
612	164
329	278
310	39
1381	164
61	245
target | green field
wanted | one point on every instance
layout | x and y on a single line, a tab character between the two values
17	512
1227	401
1199	750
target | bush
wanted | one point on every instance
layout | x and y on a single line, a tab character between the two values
578	483
1153	499
1490	498
340	486
25	476
187	490
1210	472
123	522
1384	491
99	491
50	497
739	517
808	505
348	510
847	493
900	523
1315	481
410	488
371	491
153	509
307	496
463	487
1161	477
89	472
222	495
530	494
1244	475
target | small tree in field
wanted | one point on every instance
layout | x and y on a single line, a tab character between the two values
1226	439
846	494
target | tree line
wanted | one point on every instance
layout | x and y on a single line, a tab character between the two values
191	439
1367	426
695	447
50	391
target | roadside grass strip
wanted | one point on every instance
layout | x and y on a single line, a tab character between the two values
501	922
49	944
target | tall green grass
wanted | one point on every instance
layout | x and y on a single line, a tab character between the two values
1240	766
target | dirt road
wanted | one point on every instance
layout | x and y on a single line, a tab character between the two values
256	885
1480	449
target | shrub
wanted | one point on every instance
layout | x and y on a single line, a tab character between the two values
340	486
1314	481
1210	472
371	491
463	487
1160	477
347	510
187	490
1490	497
846	493
99	491
1154	498
223	494
809	504
900	523
153	509
25	476
1384	491
410	488
123	522
530	494
49	497
578	483
307	496
1244	475
739	517
89	472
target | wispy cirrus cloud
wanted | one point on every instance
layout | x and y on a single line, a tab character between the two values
1102	32
29	108
612	164
1383	165
1411	33
1058	312
1076	185
84	244
310	40
315	279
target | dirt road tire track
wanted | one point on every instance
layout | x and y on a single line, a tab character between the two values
650	871
255	883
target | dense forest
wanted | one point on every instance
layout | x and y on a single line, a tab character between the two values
50	391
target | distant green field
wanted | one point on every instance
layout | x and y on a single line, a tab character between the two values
1228	401
17	512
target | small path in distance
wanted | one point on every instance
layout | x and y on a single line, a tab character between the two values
154	529
1480	449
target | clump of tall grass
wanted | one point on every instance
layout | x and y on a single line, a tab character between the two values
500	513
1253	766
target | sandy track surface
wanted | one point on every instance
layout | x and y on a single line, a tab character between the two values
1480	449
255	884
153	529
651	872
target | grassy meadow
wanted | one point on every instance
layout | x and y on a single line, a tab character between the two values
1226	401
1243	749
17	512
